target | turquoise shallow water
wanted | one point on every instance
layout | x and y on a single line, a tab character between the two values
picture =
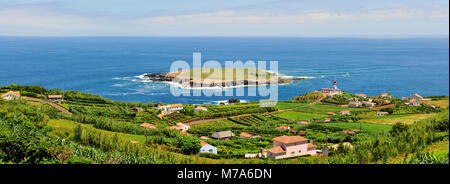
110	66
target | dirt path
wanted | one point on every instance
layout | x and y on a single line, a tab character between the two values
62	109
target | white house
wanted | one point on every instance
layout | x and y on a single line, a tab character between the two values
346	112
170	108
200	108
354	104
11	95
369	104
414	102
379	113
207	148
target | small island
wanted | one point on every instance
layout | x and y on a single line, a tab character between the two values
228	77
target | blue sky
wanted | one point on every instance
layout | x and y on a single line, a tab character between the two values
273	18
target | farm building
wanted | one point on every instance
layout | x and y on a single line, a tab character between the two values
55	98
223	135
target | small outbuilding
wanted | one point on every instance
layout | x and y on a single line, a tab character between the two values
223	135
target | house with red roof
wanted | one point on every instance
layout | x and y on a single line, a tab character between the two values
11	95
147	126
362	95
414	102
346	112
207	148
282	128
245	135
290	146
55	98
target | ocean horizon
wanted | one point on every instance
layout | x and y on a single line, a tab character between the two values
113	66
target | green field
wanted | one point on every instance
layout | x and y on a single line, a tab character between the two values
289	105
219	74
300	115
440	103
367	127
321	108
392	119
62	126
439	149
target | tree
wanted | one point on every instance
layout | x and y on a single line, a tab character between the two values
398	128
188	111
188	144
387	109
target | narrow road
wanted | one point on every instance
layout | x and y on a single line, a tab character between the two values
55	105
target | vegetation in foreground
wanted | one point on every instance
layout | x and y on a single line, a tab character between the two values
105	131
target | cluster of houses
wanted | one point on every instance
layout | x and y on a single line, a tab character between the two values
415	100
11	95
171	108
283	146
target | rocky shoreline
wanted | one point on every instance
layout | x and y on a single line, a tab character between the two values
189	82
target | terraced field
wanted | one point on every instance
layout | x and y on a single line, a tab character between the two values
257	120
323	109
300	115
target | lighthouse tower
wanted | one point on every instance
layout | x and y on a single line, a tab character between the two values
335	84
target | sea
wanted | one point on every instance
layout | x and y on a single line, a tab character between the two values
112	67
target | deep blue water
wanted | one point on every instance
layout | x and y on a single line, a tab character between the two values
108	66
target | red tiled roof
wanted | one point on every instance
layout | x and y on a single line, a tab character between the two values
362	95
331	113
147	125
175	105
311	145
15	93
304	122
245	134
55	96
185	133
282	128
290	139
277	149
412	100
203	143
